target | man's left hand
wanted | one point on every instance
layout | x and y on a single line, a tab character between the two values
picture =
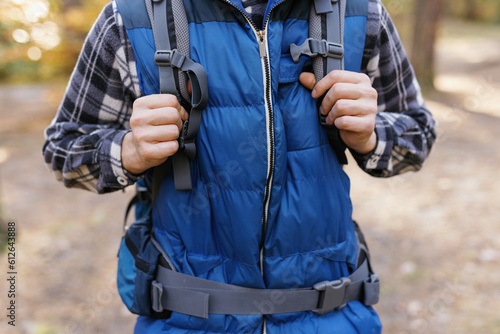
350	102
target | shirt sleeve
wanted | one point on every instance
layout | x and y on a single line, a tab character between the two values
404	126
83	142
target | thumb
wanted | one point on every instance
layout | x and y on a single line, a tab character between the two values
307	79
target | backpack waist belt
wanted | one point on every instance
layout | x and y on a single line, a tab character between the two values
199	297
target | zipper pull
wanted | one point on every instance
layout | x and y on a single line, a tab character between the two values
262	44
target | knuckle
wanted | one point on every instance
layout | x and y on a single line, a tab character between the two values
138	103
334	74
136	120
139	136
171	100
364	77
341	106
172	114
171	148
338	89
327	101
175	120
341	122
172	131
371	92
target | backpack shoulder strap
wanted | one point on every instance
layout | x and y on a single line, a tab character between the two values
166	24
326	28
170	59
133	13
326	45
326	32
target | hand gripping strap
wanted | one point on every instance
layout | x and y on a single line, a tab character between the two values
200	297
167	60
326	31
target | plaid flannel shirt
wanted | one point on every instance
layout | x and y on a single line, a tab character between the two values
83	142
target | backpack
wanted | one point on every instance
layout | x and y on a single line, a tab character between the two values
141	259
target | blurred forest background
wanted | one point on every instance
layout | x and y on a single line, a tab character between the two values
434	235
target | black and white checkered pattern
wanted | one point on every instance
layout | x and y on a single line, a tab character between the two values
256	10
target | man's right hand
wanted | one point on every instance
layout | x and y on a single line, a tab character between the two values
156	122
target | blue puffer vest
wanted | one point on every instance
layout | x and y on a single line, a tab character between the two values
270	204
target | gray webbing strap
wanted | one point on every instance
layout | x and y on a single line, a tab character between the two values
328	14
168	60
326	34
334	21
200	297
162	41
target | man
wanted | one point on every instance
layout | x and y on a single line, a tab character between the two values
269	207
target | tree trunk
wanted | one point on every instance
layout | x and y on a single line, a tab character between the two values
427	16
471	10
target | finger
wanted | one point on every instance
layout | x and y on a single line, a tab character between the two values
184	114
155	134
338	92
155	117
335	77
157	153
156	101
362	126
308	80
345	107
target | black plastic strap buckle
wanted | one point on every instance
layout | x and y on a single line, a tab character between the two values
187	144
332	294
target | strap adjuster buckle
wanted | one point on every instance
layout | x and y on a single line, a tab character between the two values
187	144
170	58
371	289
332	294
156	294
164	57
316	47
330	49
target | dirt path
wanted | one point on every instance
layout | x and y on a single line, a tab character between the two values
434	234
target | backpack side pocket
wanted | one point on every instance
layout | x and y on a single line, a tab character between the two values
137	263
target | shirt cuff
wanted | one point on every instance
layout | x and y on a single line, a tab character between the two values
113	176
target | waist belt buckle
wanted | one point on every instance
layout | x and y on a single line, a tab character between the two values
331	295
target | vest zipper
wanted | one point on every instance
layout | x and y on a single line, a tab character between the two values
264	56
261	36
